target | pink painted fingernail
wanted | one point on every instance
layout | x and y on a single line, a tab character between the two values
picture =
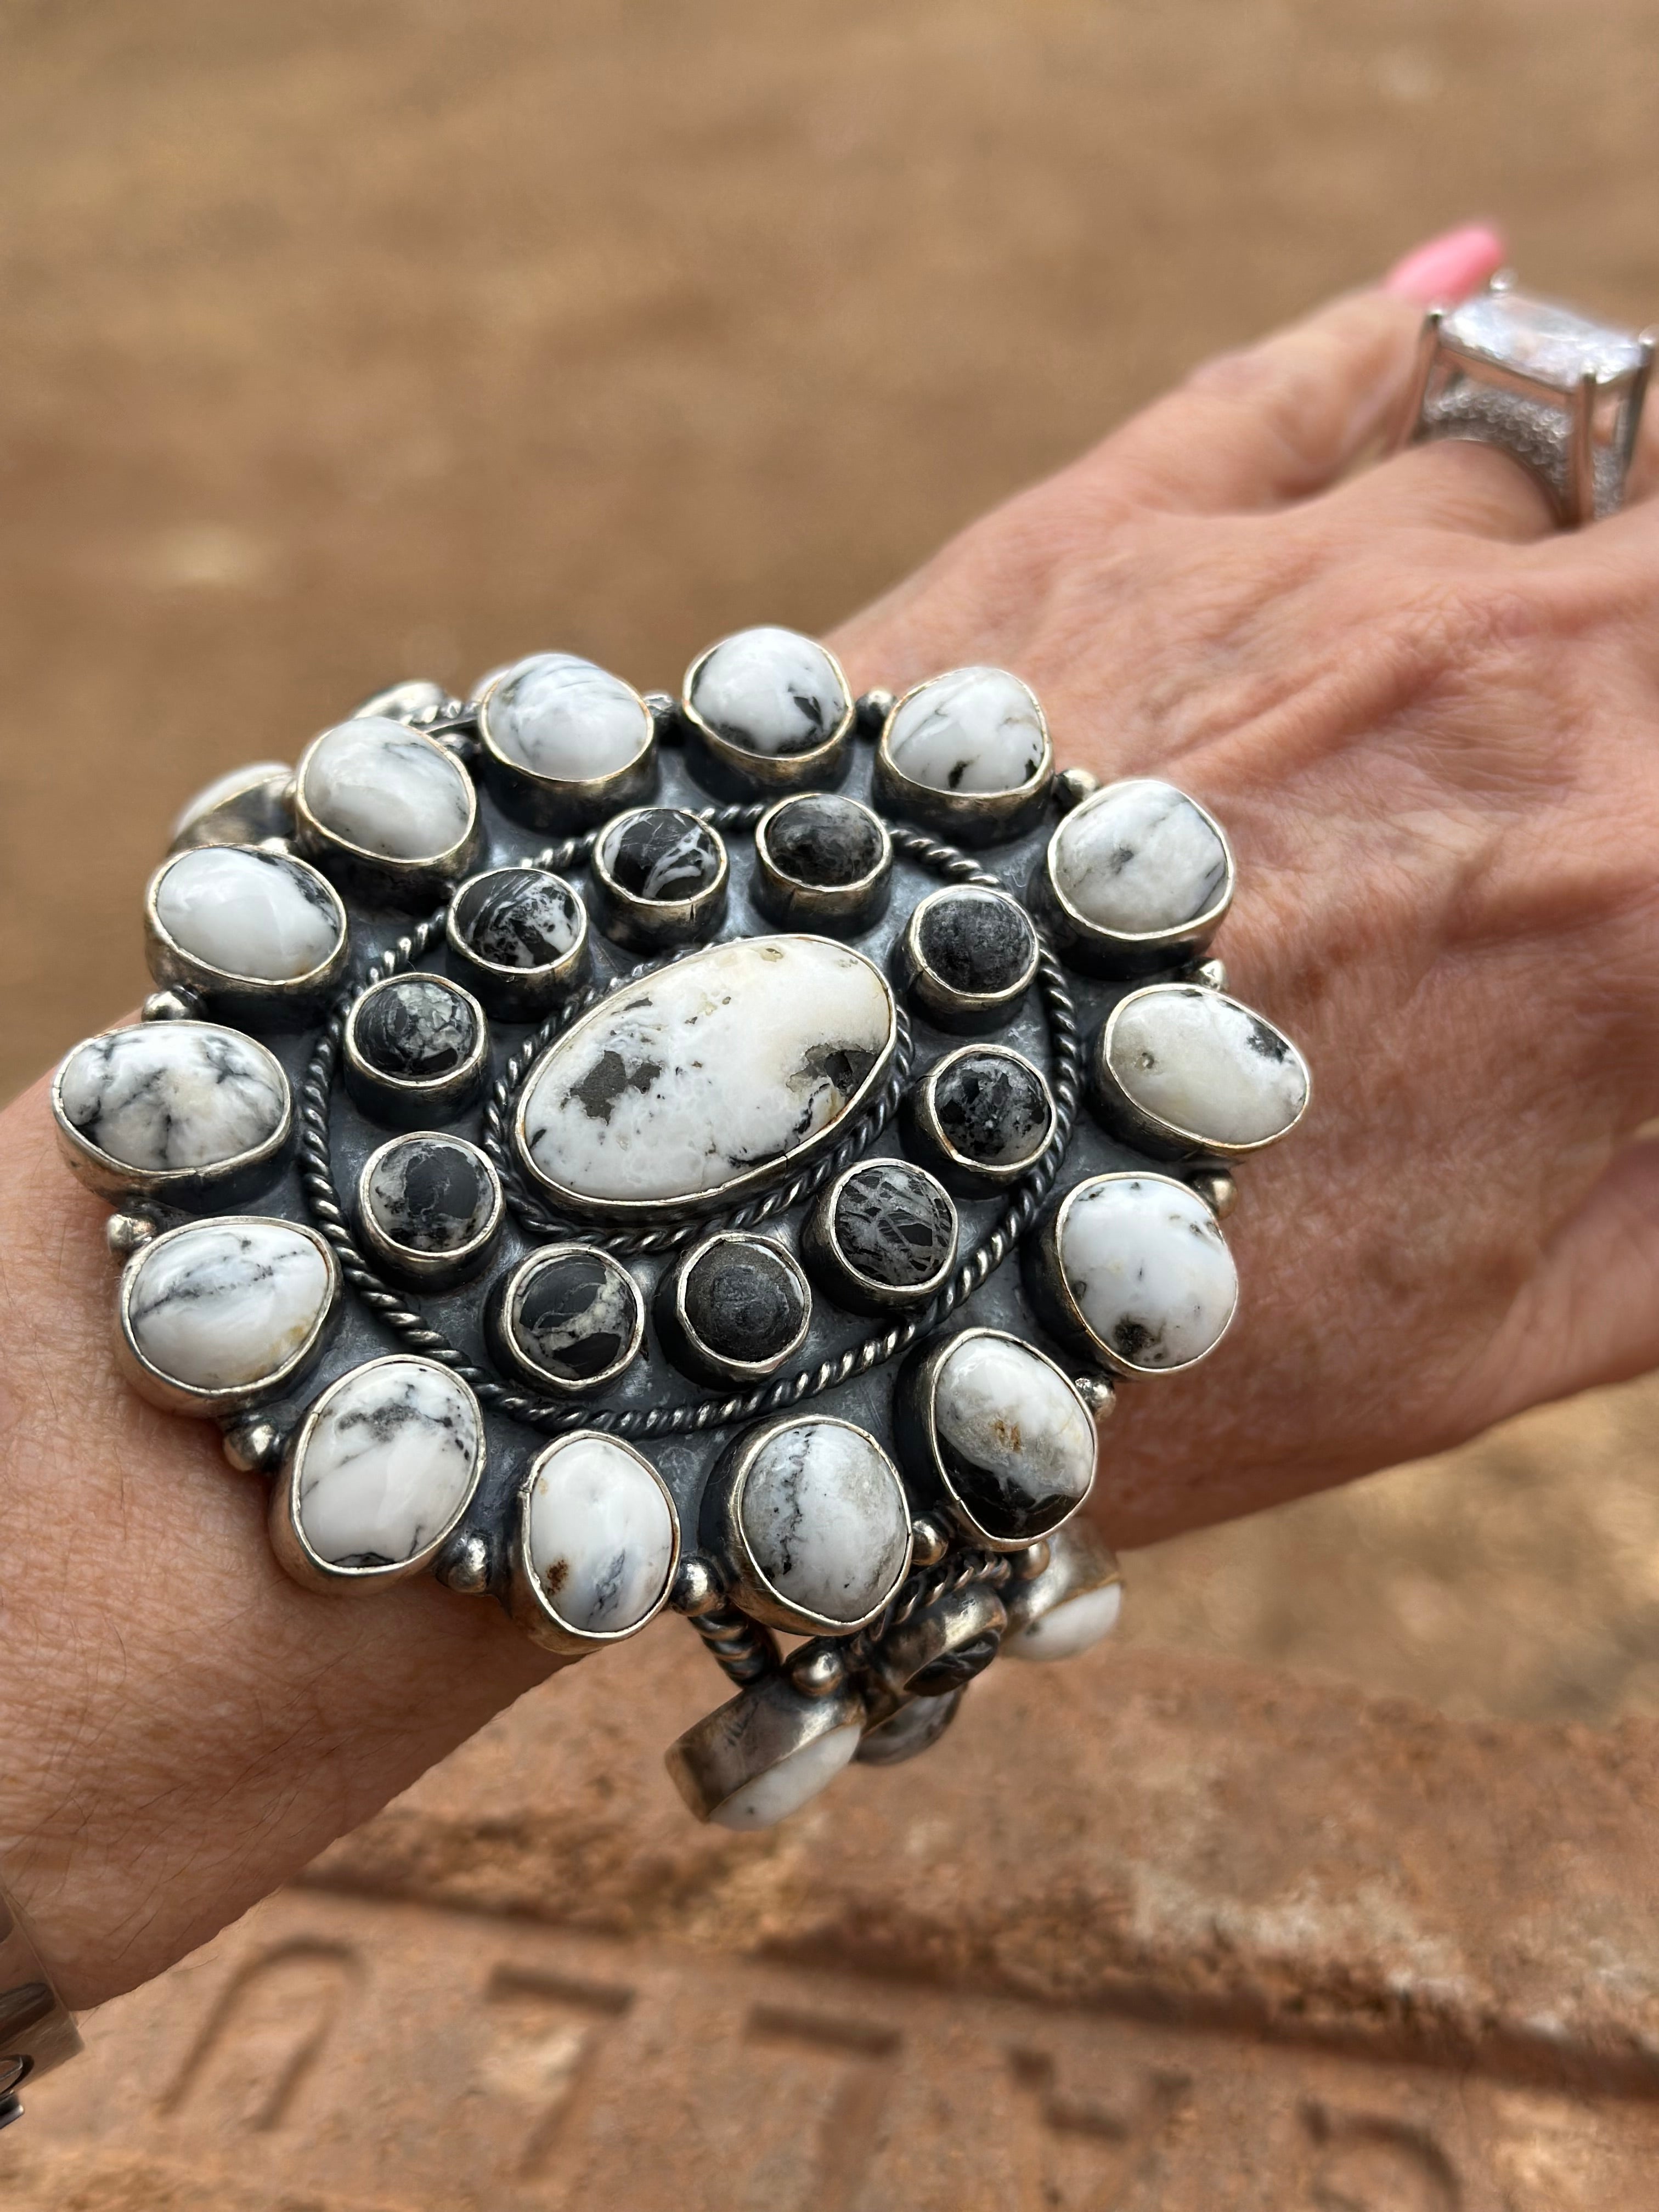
1448	267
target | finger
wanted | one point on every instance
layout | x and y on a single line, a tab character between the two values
1284	419
1460	485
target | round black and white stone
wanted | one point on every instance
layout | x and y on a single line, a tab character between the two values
824	841
1016	1440
661	854
974	731
978	943
566	721
387	790
825	1518
228	1305
431	1193
245	912
1148	1268
992	1106
415	1029
575	1316
518	918
170	1098
1138	859
1205	1066
599	1534
770	691
745	1300
895	1226
386	1465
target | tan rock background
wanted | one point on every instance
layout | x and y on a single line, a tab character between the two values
348	342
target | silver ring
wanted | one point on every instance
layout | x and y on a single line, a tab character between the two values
1558	393
36	2029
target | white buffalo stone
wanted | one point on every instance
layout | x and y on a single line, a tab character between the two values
388	1464
561	717
1206	1065
771	691
1138	859
600	1534
824	1517
226	1304
1149	1269
387	790
707	1072
1075	1624
974	730
785	1788
248	913
1017	1438
166	1097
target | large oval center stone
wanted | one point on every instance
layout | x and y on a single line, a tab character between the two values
715	1073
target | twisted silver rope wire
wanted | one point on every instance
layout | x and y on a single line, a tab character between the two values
550	1416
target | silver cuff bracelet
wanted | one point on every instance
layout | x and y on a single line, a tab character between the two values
36	2029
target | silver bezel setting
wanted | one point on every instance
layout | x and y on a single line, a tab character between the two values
429	1271
688	1351
504	1342
824	1256
956	1169
646	925
961	1014
259	1001
529	1604
778	1170
916	1410
1149	1132
175	1397
563	803
409	1101
751	1735
379	878
1051	1293
288	1535
519	994
1103	952
795	904
1079	1560
226	1183
724	1536
762	773
968	817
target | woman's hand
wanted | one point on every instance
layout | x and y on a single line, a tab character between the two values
1429	724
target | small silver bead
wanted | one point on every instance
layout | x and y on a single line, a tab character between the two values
1211	974
1026	1566
697	1587
464	1564
127	1233
665	711
929	1540
252	1446
1218	1190
176	1004
1097	1392
871	712
1074	785
817	1669
283	845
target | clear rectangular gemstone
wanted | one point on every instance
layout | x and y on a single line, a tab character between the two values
1538	339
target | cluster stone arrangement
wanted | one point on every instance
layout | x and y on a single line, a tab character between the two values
720	1153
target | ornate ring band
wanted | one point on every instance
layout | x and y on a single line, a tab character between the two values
1558	393
37	2030
634	1228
